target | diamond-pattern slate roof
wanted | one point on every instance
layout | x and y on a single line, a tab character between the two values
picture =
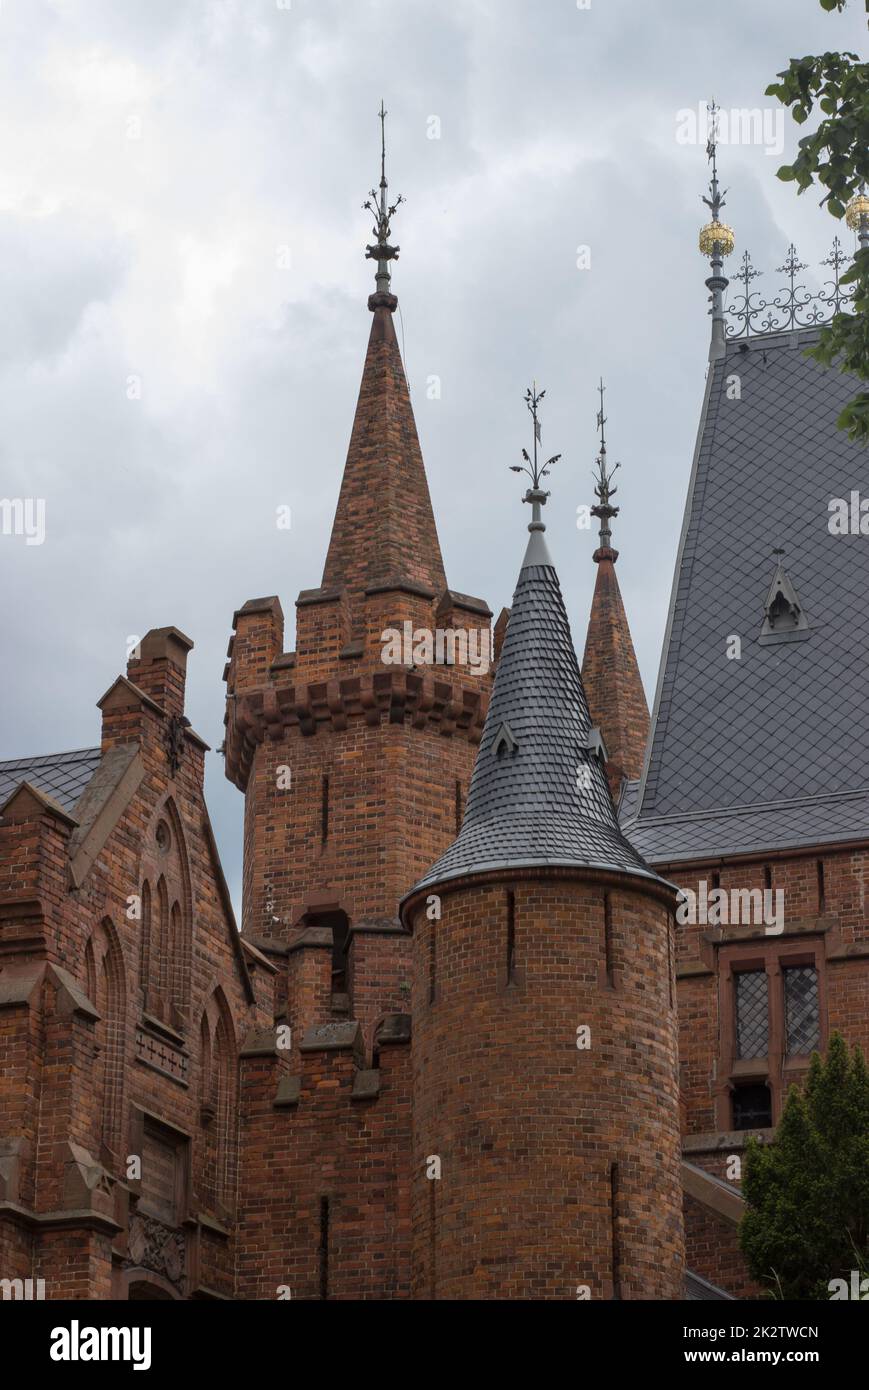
787	722
753	829
547	802
62	776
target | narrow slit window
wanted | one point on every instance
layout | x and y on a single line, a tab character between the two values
432	962
608	938
822	889
324	1247
614	1231
671	927
324	810
432	1239
511	938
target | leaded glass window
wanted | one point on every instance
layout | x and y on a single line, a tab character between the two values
752	1014
802	1020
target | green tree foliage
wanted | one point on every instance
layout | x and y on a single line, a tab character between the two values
807	1193
836	157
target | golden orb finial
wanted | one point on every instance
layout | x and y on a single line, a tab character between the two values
717	233
856	210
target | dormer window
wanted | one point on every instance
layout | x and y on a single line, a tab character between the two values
505	741
784	617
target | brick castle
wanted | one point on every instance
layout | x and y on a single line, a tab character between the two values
463	1045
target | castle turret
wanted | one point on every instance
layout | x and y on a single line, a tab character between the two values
355	749
545	1105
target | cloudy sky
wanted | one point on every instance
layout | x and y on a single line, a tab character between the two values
180	203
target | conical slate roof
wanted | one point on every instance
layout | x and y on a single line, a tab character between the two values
538	795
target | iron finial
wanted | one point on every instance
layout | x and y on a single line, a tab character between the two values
716	238
377	203
604	490
532	465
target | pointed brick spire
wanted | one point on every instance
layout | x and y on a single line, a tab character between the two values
611	677
610	673
384	528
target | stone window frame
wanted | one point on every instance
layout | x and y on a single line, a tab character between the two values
776	1070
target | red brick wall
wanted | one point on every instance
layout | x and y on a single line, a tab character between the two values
344	1140
712	1251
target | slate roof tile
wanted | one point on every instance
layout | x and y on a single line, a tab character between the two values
63	776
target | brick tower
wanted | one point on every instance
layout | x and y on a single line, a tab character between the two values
610	673
355	760
545	1091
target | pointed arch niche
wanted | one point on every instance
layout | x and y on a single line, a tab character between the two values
215	1167
106	986
166	944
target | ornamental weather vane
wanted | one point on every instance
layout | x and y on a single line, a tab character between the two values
532	467
715	201
383	212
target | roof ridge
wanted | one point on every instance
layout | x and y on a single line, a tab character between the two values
32	758
753	808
